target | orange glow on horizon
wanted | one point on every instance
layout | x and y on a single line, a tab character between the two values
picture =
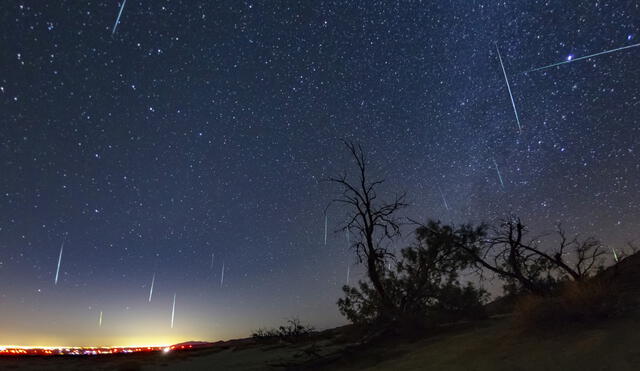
13	350
119	342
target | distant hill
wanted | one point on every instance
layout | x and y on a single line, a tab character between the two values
196	344
219	344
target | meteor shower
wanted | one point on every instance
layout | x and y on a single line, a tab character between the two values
320	185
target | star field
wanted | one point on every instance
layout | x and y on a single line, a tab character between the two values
202	127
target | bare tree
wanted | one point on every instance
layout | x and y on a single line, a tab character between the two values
372	221
504	251
587	255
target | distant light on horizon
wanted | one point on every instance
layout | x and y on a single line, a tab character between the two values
133	148
87	351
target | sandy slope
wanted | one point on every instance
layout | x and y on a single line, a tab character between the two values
496	346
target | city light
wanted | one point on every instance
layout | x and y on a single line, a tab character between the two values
85	351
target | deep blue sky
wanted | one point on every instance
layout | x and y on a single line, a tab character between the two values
205	127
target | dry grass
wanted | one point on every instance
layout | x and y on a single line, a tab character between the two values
577	302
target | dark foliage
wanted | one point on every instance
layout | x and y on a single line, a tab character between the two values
423	290
523	264
291	332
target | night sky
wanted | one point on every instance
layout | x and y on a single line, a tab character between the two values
207	127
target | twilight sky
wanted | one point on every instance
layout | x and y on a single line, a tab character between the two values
206	127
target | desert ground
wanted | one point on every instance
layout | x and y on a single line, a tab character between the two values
488	345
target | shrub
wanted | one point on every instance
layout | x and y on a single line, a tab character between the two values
576	302
290	332
264	333
360	305
456	302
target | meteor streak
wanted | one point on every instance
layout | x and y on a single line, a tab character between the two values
222	276
615	256
55	281
100	320
585	57
325	228
173	310
446	206
506	79
153	280
348	273
348	237
115	25
498	171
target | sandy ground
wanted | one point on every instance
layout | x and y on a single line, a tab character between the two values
614	346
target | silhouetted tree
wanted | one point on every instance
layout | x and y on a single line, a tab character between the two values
372	221
423	289
427	275
526	264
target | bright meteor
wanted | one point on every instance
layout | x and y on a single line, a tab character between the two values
153	280
506	79
585	57
173	310
115	25
55	281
